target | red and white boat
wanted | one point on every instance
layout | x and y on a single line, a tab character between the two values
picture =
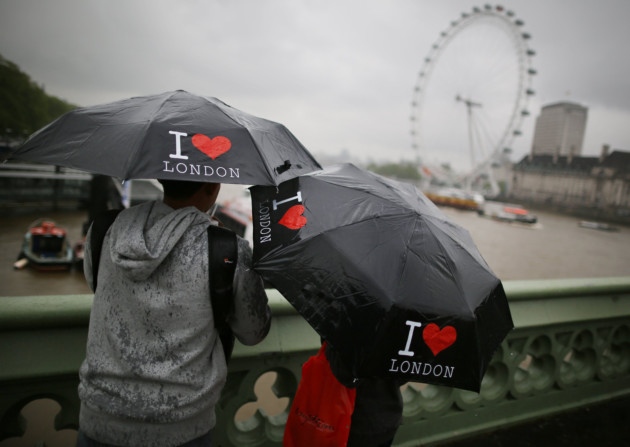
507	212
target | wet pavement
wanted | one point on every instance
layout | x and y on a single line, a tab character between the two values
605	424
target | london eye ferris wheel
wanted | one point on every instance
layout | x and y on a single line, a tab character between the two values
472	93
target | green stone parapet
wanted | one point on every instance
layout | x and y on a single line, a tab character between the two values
570	348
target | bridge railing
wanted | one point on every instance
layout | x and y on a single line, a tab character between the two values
570	347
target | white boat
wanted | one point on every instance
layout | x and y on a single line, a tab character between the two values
507	212
597	225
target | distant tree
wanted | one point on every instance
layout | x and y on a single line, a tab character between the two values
24	106
403	170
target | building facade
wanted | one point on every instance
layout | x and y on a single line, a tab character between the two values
595	186
560	129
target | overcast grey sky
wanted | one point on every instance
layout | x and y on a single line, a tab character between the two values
338	73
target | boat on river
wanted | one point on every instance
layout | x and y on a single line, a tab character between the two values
602	226
507	212
455	198
46	247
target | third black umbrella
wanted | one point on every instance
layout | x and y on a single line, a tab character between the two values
378	271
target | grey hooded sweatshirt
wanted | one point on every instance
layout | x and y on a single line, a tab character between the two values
154	366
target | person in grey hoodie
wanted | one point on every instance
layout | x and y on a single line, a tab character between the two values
154	366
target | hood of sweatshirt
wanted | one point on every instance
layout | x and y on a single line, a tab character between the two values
145	234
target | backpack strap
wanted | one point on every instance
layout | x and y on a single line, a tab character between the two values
100	225
222	255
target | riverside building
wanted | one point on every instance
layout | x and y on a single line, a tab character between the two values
560	129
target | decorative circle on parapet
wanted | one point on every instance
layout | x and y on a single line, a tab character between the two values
536	368
578	357
37	420
494	385
419	398
260	403
615	357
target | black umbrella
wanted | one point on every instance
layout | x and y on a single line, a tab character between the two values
382	274
173	135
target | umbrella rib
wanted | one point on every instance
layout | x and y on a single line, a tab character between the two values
427	218
268	168
368	192
477	256
134	155
449	264
404	267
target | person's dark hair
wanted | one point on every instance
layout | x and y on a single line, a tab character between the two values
180	189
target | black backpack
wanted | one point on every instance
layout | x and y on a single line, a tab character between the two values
222	254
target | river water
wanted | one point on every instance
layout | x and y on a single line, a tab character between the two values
555	247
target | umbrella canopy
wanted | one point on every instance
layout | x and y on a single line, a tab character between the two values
382	274
174	135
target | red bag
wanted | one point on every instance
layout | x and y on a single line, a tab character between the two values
322	407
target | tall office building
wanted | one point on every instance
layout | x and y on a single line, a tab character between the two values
560	129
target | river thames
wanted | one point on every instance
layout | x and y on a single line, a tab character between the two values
553	248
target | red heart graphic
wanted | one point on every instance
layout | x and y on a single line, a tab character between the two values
212	147
439	339
293	218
